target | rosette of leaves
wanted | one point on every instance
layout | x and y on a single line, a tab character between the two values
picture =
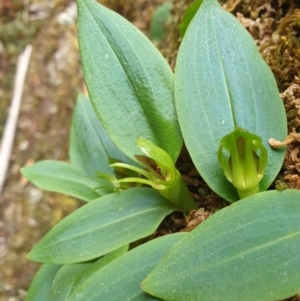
246	251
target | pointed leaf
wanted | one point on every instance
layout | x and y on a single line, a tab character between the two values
90	146
222	82
61	177
129	82
248	251
120	280
103	225
41	284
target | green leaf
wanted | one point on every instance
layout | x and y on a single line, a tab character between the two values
120	280
61	177
159	21
222	82
103	225
65	279
40	286
248	251
72	276
188	16
129	82
99	264
90	146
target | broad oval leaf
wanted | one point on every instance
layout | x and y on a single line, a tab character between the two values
62	177
90	146
41	284
120	280
248	251
129	82
73	276
103	225
222	82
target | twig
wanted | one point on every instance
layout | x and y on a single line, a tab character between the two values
11	123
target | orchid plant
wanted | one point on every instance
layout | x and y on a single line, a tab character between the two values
125	140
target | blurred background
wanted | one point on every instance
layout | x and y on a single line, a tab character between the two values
54	79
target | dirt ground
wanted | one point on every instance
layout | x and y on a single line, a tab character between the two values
54	79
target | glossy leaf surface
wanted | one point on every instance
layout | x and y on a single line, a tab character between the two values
90	146
61	177
248	251
71	276
120	280
102	226
129	82
41	284
222	82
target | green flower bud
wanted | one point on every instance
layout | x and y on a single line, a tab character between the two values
243	158
161	174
